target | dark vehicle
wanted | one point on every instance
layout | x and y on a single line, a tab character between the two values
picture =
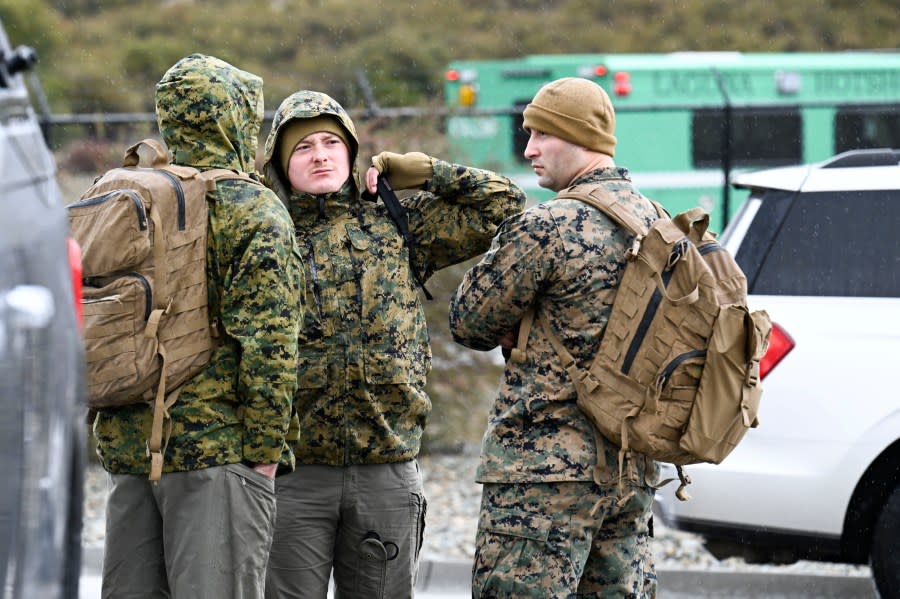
42	442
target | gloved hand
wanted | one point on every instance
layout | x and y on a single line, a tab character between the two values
404	171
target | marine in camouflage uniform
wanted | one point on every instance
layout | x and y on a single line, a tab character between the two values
556	519
205	529
364	355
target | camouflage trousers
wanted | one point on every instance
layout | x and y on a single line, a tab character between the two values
564	540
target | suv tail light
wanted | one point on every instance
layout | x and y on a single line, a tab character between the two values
75	270
780	345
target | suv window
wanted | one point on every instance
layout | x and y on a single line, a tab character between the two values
824	244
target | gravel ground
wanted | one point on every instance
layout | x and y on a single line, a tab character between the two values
453	502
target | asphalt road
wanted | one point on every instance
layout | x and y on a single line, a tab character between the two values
450	580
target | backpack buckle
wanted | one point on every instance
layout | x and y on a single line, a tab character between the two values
678	252
752	378
632	252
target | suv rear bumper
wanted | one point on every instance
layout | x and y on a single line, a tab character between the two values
757	544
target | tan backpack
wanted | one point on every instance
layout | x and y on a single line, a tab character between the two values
676	376
143	236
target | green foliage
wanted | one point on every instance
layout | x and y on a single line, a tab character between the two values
32	23
400	47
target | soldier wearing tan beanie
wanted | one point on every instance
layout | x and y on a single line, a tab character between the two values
298	129
547	475
576	110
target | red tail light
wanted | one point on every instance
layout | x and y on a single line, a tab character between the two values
75	270
780	345
622	83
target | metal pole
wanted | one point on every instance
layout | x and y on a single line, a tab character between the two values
726	147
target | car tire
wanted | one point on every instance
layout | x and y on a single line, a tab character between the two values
884	558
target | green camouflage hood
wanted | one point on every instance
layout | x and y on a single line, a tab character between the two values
305	104
209	113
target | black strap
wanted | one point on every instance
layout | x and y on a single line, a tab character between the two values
398	212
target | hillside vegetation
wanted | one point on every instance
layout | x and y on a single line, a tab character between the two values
106	55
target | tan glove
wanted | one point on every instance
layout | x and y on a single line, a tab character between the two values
404	171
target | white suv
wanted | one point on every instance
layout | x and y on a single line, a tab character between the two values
820	478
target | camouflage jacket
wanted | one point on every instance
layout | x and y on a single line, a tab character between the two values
238	408
364	351
565	259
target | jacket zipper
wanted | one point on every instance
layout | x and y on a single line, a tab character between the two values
314	271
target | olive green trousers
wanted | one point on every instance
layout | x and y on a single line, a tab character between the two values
361	524
203	534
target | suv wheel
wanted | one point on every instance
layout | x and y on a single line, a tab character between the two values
885	559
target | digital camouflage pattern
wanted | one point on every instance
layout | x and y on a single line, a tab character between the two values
238	408
363	349
561	540
564	258
209	113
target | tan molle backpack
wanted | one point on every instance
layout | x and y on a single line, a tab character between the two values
143	236
676	376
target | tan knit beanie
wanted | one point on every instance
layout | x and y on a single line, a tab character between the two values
297	130
575	110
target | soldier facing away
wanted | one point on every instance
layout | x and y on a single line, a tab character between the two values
355	503
555	519
204	530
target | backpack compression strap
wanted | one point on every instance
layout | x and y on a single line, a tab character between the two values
155	444
586	383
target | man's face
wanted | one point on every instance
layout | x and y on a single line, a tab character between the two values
556	162
320	163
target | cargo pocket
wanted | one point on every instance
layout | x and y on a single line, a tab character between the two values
246	534
417	508
678	383
374	554
513	539
121	213
117	354
388	369
311	375
728	396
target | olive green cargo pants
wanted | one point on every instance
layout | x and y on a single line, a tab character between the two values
365	522
203	534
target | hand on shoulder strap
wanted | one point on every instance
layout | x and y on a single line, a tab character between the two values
404	171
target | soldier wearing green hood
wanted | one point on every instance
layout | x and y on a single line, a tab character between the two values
204	530
355	503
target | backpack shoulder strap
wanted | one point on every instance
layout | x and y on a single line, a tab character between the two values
397	212
607	203
214	175
567	360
